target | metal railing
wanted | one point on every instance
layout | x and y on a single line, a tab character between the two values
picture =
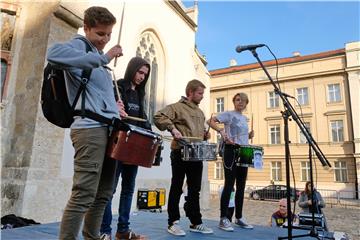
342	198
339	198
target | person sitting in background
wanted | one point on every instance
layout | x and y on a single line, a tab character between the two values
307	205
305	200
279	218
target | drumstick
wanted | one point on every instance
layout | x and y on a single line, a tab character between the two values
207	132
252	125
116	86
120	30
171	137
135	119
196	138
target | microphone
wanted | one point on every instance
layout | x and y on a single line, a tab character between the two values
239	48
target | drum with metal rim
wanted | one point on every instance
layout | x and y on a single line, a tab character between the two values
137	146
199	151
249	156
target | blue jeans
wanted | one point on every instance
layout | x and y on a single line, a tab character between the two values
128	176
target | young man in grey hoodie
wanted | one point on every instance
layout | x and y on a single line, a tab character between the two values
93	173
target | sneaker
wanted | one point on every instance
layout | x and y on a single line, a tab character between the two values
225	225
105	236
241	222
175	229
201	228
129	235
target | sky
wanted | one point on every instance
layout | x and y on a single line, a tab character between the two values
284	26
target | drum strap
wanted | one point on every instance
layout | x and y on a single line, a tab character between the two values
116	123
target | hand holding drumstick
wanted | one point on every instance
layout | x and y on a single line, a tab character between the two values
176	134
121	108
251	133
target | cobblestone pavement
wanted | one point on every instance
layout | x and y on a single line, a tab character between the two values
258	213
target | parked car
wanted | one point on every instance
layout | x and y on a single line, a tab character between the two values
274	192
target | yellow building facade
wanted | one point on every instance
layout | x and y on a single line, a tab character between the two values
321	85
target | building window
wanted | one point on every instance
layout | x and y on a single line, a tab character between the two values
334	93
274	134
305	171
8	17
273	100
219	104
340	170
219	171
146	50
276	171
4	68
337	131
302	96
301	134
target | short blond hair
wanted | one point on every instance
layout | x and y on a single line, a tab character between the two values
243	96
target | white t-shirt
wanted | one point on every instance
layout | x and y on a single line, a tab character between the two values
236	126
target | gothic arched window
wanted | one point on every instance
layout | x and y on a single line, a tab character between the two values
149	48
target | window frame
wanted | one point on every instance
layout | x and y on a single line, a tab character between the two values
6	57
6	54
341	170
302	94
149	47
278	170
308	126
270	133
330	93
273	100
218	170
220	104
305	168
338	140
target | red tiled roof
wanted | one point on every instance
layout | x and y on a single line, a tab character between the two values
280	61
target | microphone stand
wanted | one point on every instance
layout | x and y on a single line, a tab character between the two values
290	112
313	232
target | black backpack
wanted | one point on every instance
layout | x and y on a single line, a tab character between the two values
54	100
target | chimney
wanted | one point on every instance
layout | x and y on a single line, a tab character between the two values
296	54
232	63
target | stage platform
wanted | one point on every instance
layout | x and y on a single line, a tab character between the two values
154	226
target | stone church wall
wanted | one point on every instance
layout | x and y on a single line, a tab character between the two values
31	146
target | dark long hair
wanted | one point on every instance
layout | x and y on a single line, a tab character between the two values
307	191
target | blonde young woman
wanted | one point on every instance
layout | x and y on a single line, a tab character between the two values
236	131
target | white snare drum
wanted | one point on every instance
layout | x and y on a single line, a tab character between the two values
199	151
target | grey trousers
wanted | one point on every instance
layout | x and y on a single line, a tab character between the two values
92	184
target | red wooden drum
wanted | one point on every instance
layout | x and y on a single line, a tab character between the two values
137	146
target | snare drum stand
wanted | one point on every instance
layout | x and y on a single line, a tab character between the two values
290	111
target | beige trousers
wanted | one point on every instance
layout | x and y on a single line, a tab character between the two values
92	184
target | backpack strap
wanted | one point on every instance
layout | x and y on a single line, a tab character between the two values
85	77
